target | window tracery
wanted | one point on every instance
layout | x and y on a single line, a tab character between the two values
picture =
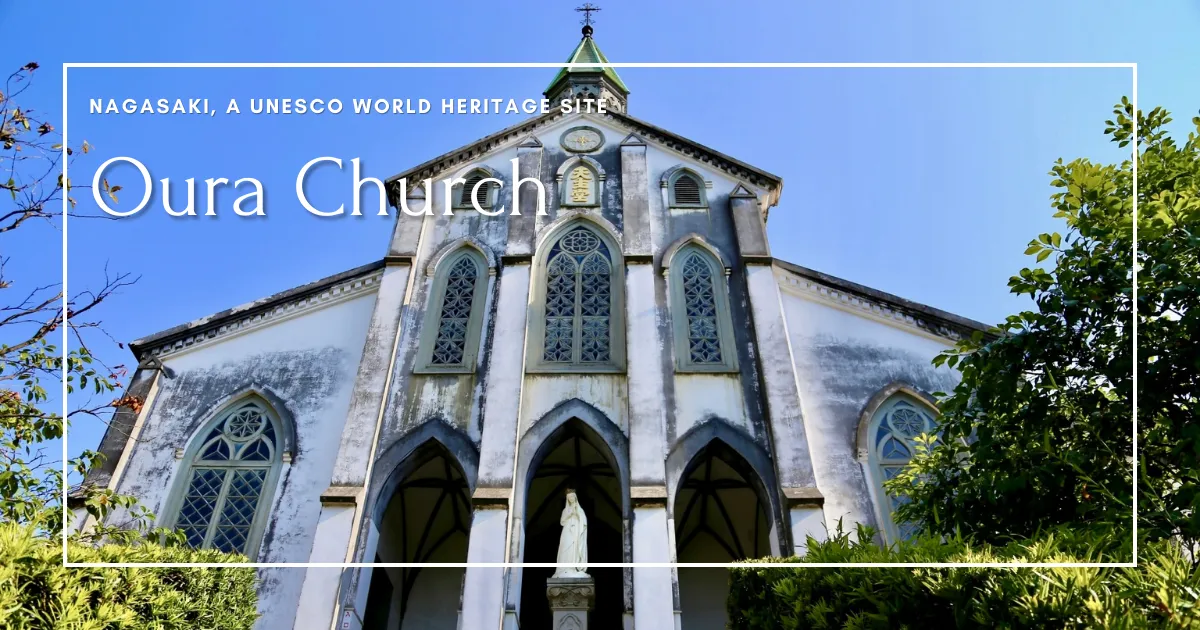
229	477
454	317
893	432
700	307
577	317
578	299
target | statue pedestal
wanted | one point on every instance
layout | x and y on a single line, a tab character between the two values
570	600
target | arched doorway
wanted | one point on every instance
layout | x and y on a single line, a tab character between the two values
573	457
427	519
720	516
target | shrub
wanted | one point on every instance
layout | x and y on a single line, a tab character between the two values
1163	592
36	591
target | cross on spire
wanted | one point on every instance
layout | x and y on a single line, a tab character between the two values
587	10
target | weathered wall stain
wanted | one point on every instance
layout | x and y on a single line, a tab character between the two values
793	405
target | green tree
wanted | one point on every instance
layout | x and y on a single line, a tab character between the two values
36	590
1039	432
32	319
1034	462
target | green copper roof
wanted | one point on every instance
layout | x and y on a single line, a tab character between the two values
588	52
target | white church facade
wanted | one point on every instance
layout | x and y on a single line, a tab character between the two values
637	344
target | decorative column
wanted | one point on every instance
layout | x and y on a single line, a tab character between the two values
748	223
331	543
522	229
807	517
653	587
483	588
643	313
337	525
571	599
635	200
793	460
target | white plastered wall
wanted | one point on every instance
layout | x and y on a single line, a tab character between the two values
843	356
309	362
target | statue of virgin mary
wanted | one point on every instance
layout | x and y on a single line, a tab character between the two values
572	546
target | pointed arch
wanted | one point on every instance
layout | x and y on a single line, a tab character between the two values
394	463
577	310
470	176
453	246
694	239
454	310
557	227
722	509
536	441
421	509
876	400
568	164
572	443
287	420
686	188
702	323
221	497
715	436
890	421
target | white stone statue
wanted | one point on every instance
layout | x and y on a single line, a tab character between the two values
572	546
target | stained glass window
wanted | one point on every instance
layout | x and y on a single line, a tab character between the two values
457	299
578	300
453	321
223	501
700	307
895	427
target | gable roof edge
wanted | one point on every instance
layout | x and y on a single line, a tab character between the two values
225	322
931	320
733	167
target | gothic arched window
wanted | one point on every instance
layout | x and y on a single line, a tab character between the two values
230	470
454	316
579	322
703	327
484	194
687	190
892	433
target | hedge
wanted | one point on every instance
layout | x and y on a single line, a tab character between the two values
1162	592
36	591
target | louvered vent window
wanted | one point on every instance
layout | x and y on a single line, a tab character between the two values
687	191
481	195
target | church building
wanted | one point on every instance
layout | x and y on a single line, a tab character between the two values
636	344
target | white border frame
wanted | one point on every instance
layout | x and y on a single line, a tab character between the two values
671	565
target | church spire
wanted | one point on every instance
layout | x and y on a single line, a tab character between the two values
589	82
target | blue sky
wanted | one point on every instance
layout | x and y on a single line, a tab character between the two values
923	183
